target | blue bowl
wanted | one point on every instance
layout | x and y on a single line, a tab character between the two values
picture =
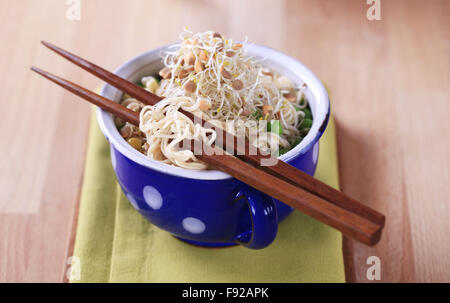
210	208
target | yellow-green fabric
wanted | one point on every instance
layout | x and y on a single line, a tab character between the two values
115	243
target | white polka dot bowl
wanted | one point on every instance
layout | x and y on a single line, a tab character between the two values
210	208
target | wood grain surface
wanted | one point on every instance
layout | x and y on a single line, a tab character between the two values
390	92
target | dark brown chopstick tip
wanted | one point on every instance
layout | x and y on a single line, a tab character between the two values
52	47
42	72
45	43
36	70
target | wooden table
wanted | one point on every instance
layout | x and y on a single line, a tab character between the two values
390	92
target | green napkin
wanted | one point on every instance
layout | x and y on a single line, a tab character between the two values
115	243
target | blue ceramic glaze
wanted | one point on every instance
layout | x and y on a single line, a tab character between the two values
210	208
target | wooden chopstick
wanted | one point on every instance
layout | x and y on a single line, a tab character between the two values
106	104
349	223
281	169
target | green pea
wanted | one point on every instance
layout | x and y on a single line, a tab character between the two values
282	151
274	126
257	114
307	112
296	142
306	123
304	131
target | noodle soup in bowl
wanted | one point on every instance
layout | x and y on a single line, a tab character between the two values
209	207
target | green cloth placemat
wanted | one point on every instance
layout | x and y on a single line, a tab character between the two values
114	243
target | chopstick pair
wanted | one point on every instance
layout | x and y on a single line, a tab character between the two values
281	181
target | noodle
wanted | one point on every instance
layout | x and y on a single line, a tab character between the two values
165	127
214	78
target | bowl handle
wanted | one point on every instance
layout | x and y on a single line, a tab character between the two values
263	213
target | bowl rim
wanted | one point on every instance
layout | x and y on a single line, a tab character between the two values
320	121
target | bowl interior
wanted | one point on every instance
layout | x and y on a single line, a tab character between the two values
150	63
